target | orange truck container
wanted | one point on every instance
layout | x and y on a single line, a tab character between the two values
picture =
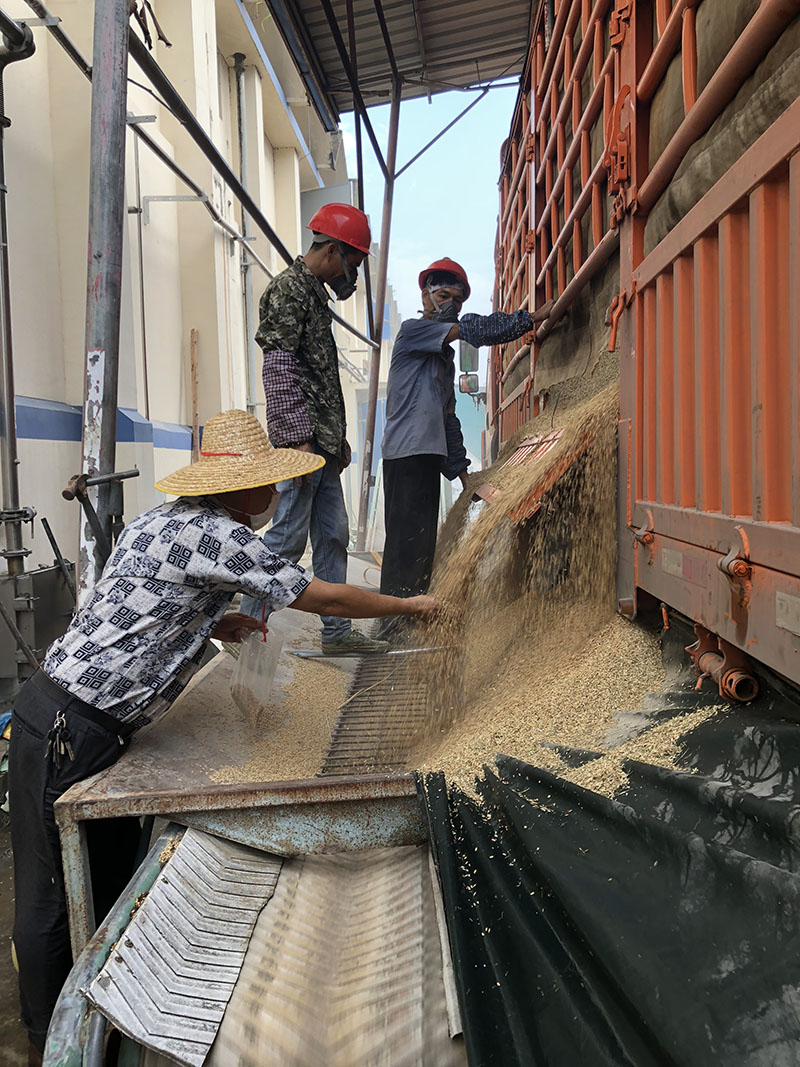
651	187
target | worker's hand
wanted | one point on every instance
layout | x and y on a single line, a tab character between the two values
306	446
540	314
344	463
235	626
423	607
428	608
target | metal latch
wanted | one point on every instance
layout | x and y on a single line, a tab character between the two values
646	536
738	569
617	306
616	158
618	22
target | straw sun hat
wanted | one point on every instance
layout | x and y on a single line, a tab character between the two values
236	454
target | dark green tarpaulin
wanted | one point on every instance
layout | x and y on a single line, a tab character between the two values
660	927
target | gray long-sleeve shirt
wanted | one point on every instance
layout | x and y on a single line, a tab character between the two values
419	391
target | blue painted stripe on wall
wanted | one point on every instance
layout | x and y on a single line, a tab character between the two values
51	420
170	435
47	420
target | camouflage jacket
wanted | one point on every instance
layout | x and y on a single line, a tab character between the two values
301	364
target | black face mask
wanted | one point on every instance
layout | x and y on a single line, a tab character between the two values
448	312
344	285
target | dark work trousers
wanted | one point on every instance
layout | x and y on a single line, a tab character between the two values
411	496
41	933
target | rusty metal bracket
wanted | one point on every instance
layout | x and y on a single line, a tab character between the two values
619	21
727	665
738	569
616	158
645	535
617	306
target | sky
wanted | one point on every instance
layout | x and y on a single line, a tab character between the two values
446	203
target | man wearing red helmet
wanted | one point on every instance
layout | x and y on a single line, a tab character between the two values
305	406
422	439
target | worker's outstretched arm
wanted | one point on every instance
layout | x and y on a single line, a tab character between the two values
497	328
348	602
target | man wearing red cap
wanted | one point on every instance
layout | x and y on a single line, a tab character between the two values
305	406
422	439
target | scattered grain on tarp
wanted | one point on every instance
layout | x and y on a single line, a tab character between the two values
659	745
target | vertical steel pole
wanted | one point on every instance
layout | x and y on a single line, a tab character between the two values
104	280
380	301
247	277
20	44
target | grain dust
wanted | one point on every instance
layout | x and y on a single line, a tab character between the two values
538	654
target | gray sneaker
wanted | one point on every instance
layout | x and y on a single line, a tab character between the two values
353	644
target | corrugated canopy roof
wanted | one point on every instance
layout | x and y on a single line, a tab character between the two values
437	45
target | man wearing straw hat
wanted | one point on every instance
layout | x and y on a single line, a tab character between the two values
128	654
305	406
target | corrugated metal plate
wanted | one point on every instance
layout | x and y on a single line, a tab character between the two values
169	979
437	45
344	968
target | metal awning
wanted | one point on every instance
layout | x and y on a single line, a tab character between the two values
433	45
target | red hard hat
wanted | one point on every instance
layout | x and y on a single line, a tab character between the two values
344	223
450	267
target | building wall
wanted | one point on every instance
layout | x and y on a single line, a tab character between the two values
180	271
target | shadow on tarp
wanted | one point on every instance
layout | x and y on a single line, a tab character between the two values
660	927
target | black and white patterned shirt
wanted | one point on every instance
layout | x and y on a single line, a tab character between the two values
170	579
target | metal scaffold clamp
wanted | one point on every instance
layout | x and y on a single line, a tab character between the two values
17	516
76	489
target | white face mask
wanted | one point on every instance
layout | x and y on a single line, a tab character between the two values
259	521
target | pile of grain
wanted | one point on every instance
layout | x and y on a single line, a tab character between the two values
539	654
305	699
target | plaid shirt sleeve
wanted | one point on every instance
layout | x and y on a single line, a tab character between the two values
494	329
287	415
456	461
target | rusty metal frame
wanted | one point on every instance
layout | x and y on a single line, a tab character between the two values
709	508
541	211
288	818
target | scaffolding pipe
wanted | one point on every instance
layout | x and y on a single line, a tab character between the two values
380	301
104	276
351	33
19	40
247	280
175	102
14	32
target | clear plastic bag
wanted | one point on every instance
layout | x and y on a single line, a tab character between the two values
251	682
